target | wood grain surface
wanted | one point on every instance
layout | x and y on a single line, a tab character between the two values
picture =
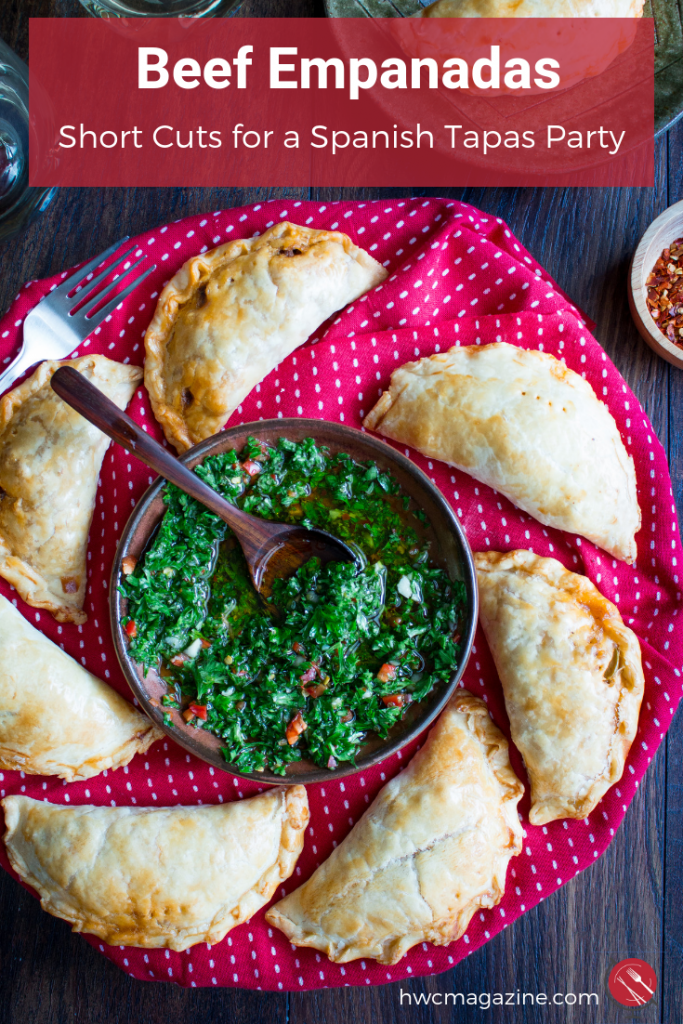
629	903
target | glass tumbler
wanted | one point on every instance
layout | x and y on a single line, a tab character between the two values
160	8
18	202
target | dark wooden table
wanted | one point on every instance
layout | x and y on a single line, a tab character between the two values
629	903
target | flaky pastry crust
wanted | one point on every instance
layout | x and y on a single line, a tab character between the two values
56	718
572	676
50	461
525	424
431	849
157	877
230	315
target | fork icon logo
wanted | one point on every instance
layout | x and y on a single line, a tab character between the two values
632	982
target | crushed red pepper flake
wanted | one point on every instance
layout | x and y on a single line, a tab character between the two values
665	292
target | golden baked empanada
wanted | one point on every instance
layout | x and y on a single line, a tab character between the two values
230	315
523	423
50	460
572	677
431	849
154	877
55	717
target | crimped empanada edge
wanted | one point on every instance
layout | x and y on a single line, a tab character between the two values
400	380
10	402
295	817
585	591
445	931
139	743
498	757
630	700
178	291
31	586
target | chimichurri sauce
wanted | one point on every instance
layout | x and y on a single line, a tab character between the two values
347	650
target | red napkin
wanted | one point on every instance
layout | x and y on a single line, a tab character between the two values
457	277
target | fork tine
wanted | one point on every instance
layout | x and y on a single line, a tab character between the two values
79	275
90	305
88	288
103	313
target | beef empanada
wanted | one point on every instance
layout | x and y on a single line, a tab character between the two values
157	877
230	315
523	423
572	677
431	849
50	460
55	717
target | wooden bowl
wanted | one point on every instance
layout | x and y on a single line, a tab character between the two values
451	548
661	233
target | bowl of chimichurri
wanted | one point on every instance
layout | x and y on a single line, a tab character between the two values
347	662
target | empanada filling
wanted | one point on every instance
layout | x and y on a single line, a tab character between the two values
614	665
70	584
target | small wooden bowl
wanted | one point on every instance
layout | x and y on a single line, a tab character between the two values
453	551
661	233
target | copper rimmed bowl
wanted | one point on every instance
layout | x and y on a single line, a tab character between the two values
450	548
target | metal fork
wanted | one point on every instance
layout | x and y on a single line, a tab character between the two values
55	327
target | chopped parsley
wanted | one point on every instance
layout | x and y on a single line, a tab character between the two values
348	648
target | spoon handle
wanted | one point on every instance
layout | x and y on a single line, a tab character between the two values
77	391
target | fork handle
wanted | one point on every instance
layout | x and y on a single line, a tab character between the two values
15	369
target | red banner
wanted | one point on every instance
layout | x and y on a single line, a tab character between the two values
347	102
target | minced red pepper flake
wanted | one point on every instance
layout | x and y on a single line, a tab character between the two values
665	292
131	629
200	710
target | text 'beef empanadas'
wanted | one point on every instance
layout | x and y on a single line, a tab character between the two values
524	423
431	849
55	717
50	460
572	677
230	315
157	877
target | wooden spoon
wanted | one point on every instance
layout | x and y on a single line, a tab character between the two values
272	550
